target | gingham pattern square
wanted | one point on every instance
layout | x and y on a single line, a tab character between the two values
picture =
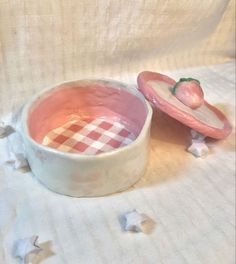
89	137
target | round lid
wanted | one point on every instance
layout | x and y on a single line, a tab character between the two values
184	101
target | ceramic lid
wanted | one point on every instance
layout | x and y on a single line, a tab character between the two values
184	101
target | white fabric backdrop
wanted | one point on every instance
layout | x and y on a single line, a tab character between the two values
49	41
192	200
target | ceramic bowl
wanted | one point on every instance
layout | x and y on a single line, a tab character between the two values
87	137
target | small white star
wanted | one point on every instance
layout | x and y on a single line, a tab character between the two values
25	247
18	162
134	221
198	149
197	136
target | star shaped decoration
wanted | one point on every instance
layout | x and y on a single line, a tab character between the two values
18	162
198	149
197	136
25	247
198	146
137	222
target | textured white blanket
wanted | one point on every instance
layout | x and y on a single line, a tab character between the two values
191	200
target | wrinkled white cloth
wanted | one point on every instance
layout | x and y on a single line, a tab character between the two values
191	200
47	42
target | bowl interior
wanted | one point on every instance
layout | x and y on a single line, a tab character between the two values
88	117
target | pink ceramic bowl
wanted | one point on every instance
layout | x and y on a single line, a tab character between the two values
87	137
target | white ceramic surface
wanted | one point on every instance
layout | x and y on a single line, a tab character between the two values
82	175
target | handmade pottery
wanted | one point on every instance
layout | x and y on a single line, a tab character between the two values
185	102
87	137
90	137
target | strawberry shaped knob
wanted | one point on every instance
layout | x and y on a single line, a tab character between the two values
189	92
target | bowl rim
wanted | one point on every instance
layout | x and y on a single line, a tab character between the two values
24	130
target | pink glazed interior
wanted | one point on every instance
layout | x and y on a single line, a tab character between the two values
97	115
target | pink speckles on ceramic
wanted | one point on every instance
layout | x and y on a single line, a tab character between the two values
82	113
206	119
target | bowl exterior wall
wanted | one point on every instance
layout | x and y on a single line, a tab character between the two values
114	172
88	176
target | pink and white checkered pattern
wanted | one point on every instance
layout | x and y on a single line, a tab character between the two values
89	137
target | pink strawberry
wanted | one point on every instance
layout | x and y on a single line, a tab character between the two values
189	92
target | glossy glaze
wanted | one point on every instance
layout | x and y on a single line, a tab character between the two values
76	174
